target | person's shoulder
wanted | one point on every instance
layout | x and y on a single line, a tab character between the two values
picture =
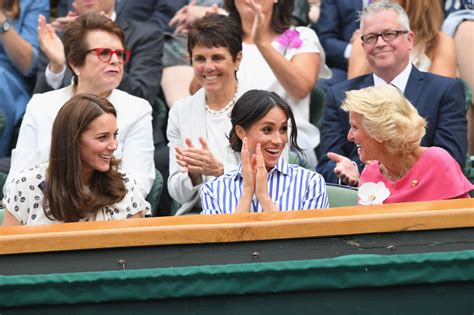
125	101
308	173
185	104
30	176
437	154
356	83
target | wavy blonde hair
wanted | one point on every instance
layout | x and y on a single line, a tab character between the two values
388	117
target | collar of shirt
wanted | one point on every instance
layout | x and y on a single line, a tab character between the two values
113	17
282	167
400	81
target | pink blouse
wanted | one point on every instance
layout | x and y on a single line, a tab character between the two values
435	176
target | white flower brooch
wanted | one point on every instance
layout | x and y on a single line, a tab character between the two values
372	193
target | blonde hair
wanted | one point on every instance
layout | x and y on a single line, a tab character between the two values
388	117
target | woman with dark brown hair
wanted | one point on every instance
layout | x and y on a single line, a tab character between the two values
95	52
18	60
81	182
280	58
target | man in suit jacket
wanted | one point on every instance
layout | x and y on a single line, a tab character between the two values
439	99
335	28
156	12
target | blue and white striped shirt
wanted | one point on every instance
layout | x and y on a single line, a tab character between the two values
290	187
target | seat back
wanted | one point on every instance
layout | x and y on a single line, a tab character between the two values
341	196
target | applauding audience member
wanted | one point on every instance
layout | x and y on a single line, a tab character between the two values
264	181
95	54
18	60
81	182
281	59
142	73
387	130
387	42
198	125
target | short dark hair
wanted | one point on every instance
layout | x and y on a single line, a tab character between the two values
64	192
74	38
281	17
216	30
253	106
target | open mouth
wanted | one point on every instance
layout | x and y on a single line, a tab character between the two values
273	152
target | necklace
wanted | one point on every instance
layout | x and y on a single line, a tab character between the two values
220	111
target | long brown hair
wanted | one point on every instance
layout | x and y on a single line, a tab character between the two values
11	8
64	192
426	18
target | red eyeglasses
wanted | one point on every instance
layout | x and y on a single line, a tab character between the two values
105	54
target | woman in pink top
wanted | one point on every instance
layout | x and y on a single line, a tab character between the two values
387	131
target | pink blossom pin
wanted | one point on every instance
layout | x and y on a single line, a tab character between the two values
290	38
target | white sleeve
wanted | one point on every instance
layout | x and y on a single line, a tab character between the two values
27	152
180	186
138	151
54	80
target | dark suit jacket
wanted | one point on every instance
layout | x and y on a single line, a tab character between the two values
337	22
440	100
142	74
157	12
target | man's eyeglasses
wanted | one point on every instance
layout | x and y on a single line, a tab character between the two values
105	54
388	36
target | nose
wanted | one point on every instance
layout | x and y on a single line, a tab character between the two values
277	138
350	135
112	146
114	59
380	41
209	66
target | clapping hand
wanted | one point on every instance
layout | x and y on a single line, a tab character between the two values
198	161
51	45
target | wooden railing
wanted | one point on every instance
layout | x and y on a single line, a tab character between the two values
238	227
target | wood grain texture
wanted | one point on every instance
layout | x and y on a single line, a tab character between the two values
238	227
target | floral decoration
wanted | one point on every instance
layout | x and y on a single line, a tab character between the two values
290	39
372	193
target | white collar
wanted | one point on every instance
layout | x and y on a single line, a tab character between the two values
400	81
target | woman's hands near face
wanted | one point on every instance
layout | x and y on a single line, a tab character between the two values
248	169
261	185
198	161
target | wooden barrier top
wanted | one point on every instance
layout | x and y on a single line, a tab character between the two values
196	229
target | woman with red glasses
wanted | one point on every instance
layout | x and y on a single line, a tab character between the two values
95	53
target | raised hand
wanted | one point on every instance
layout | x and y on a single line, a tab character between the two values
345	169
248	174
261	182
258	36
198	161
61	22
51	45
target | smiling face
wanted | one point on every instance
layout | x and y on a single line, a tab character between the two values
271	131
367	147
95	76
97	144
215	69
387	59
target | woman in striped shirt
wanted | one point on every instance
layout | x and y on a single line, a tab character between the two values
264	181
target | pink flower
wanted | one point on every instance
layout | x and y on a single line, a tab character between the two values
290	38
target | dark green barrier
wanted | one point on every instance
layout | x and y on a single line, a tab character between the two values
448	273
